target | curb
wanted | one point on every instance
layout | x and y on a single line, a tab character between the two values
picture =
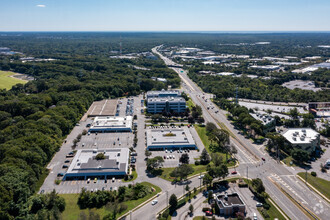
278	209
313	188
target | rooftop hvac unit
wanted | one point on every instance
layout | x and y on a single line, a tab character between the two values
294	138
100	167
302	138
294	134
303	130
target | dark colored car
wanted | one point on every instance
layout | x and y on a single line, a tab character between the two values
65	166
60	174
263	159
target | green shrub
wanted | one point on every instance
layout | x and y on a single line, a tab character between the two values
197	162
313	173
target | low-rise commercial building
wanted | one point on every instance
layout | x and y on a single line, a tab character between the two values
112	124
268	121
170	138
168	104
85	164
304	138
229	204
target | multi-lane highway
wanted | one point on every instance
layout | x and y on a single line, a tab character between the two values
276	177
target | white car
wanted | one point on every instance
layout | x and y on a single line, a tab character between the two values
165	151
259	204
167	157
201	176
154	202
173	157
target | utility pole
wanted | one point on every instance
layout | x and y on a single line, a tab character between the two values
236	95
167	197
247	172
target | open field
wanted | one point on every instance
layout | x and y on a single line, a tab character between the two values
6	82
72	210
322	185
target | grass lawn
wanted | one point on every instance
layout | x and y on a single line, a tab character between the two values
72	210
202	135
197	169
190	104
322	185
134	173
6	82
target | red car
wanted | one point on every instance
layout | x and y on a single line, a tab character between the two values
208	213
263	159
234	172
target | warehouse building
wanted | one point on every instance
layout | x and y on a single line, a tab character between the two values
112	124
170	138
304	138
85	165
168	104
229	204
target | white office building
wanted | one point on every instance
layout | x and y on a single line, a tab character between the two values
268	121
304	138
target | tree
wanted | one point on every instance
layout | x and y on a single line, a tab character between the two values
210	127
191	208
205	157
300	155
217	159
173	201
258	185
294	113
207	180
147	153
183	171
154	162
100	156
184	159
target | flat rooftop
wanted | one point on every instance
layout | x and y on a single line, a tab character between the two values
166	99
84	161
300	135
263	118
106	107
103	122
225	200
169	137
163	93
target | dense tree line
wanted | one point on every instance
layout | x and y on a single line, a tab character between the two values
36	117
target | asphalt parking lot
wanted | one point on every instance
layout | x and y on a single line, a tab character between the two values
174	162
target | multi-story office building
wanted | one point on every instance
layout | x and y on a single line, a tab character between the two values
168	104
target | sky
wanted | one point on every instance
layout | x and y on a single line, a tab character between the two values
164	15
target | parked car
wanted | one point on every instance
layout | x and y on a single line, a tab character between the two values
60	174
154	202
67	161
234	172
201	176
65	166
259	204
263	159
113	179
164	157
208	213
88	180
95	180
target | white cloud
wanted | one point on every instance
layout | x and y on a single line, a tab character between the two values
41	6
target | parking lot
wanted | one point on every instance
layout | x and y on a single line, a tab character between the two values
172	159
